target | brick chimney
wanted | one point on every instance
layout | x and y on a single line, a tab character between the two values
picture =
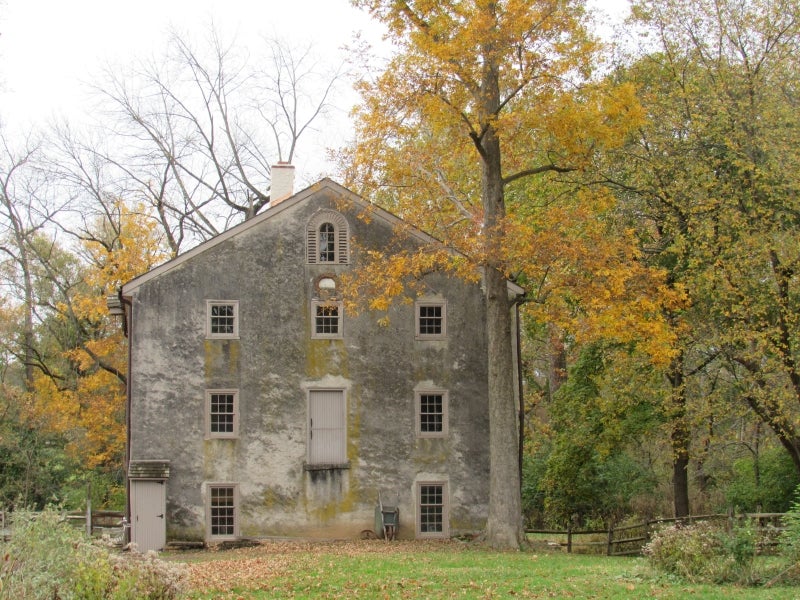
282	182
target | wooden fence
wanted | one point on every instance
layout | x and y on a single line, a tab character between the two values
96	523
629	540
99	522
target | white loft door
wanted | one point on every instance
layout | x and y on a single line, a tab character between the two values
327	431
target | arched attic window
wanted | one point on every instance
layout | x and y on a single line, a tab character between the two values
327	239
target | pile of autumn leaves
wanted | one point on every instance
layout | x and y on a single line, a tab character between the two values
249	568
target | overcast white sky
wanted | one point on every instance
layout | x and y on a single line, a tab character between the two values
49	47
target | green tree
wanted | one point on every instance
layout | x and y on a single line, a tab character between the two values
592	473
712	180
765	481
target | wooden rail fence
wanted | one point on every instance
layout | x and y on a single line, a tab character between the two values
96	523
629	540
623	540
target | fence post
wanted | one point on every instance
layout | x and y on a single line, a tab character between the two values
730	519
89	509
610	545
569	539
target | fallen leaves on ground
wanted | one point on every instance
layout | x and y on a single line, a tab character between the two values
249	568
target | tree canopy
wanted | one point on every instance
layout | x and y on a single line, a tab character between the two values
646	202
482	130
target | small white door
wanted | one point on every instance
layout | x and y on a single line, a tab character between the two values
148	508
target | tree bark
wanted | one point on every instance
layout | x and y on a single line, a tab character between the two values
680	476
770	414
504	524
680	437
23	260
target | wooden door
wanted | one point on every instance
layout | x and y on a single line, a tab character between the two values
148	520
327	443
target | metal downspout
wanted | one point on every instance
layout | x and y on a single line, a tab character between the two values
128	331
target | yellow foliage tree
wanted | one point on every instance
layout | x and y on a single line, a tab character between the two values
86	400
482	101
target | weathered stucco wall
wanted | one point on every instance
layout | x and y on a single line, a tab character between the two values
273	364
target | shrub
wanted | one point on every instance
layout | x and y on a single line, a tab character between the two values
146	576
534	466
704	553
789	542
48	558
771	490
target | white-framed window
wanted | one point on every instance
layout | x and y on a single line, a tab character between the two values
327	243
431	413
327	239
327	427
222	413
433	515
222	319
326	319
222	510
431	319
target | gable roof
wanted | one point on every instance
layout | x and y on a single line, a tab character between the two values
325	184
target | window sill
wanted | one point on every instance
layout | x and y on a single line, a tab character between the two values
325	466
432	536
219	539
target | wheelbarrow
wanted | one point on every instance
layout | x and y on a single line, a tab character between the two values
387	519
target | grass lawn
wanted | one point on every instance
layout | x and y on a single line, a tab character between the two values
376	569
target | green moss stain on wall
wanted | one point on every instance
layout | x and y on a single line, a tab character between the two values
426	367
210	358
326	357
353	425
221	358
467	525
431	452
329	493
218	455
276	498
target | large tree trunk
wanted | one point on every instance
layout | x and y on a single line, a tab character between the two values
680	438
504	525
